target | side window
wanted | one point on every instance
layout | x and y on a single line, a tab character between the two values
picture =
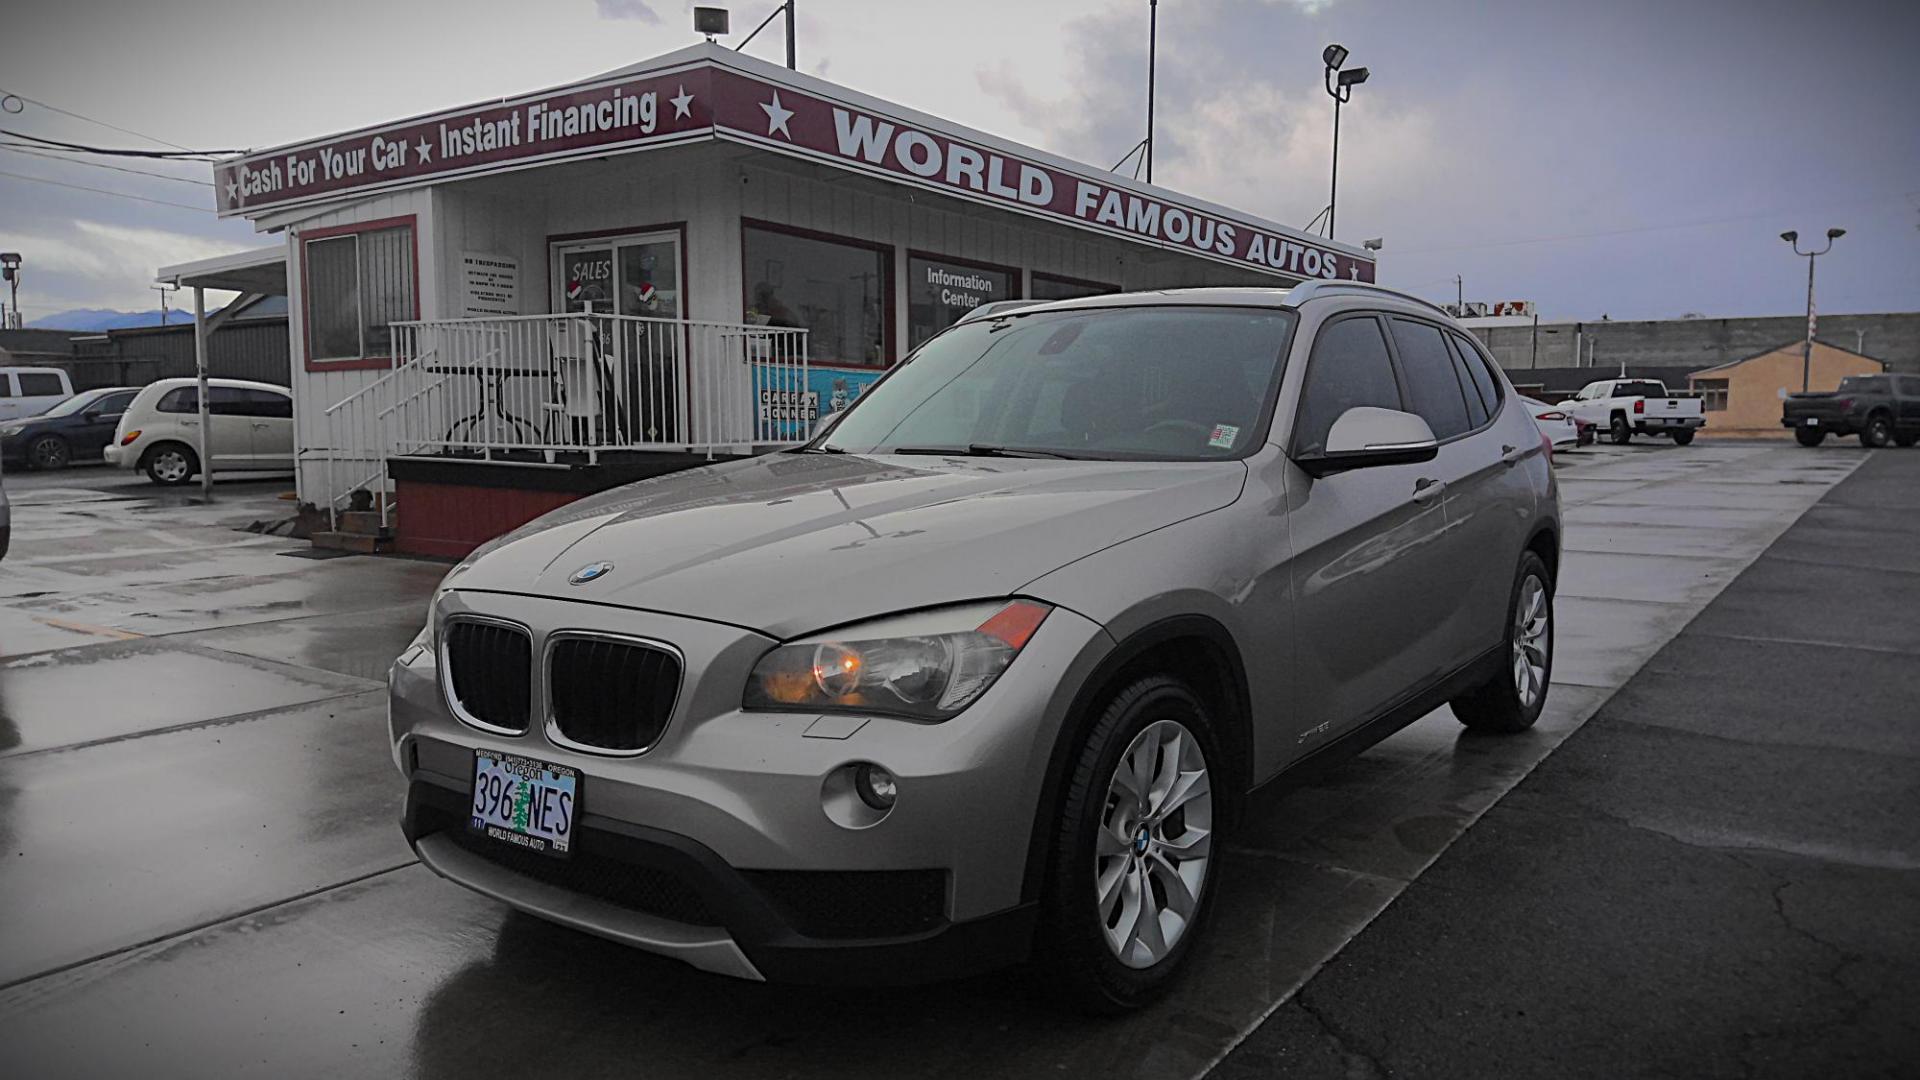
1349	368
115	404
1484	384
1476	405
6	385
40	384
229	401
185	399
269	404
1432	384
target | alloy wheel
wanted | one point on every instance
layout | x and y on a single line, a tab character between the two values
1531	617
1154	843
170	465
50	453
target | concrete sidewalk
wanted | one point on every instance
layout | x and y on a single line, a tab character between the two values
1718	875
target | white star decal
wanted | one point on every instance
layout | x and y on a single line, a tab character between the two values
777	117
424	148
233	191
682	105
1355	271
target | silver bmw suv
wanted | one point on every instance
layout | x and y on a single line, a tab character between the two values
986	670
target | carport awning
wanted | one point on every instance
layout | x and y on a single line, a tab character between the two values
262	271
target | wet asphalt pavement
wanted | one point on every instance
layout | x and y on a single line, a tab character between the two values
201	872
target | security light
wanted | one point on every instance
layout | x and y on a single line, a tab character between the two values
1834	234
1790	235
709	20
1374	244
1335	55
1354	77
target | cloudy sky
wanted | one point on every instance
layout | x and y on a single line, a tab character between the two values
1632	158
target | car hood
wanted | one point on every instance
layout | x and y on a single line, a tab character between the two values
792	543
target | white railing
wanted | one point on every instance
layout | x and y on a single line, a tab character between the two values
564	388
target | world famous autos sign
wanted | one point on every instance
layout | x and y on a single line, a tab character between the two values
704	99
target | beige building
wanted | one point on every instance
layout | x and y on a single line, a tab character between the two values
1745	394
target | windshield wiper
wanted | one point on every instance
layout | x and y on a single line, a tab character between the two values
821	449
989	450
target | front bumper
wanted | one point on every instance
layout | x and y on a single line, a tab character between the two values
715	846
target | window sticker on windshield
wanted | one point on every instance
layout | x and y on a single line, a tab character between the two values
1223	436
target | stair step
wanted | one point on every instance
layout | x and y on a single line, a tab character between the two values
363	523
357	542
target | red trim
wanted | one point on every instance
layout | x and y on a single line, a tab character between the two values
1083	283
364	363
453	519
888	352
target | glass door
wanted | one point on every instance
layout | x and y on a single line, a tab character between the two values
624	374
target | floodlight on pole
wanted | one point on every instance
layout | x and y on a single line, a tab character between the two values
1806	352
1340	86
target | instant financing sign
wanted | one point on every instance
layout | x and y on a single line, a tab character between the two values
706	99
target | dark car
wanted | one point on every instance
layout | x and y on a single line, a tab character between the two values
1878	408
77	429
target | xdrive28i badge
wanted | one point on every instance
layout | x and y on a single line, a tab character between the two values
590	572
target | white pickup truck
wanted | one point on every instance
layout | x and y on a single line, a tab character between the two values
1626	407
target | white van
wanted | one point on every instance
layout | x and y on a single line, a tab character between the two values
251	428
30	391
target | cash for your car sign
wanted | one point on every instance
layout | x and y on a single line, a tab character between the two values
705	92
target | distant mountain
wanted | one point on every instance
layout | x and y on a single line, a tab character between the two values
107	319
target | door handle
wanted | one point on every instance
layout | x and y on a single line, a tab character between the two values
1425	488
1511	454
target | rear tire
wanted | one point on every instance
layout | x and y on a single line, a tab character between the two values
1683	437
50	452
1513	698
1877	433
1809	436
1622	431
1133	851
171	464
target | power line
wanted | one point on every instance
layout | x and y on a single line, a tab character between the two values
105	191
69	112
23	148
56	144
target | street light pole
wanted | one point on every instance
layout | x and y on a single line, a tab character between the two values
1806	351
1340	86
1153	43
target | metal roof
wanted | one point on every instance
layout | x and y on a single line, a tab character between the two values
262	270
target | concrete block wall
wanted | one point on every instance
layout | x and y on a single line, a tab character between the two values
1893	339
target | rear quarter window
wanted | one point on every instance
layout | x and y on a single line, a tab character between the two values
181	399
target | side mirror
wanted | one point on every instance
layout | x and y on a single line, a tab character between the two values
1365	437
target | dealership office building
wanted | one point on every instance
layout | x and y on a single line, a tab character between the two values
498	308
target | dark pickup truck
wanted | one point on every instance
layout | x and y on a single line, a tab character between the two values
1878	408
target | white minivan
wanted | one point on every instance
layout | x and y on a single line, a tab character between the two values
30	391
251	427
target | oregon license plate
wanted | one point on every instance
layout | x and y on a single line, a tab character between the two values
1813	421
530	804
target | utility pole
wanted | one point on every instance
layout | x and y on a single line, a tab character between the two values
1459	296
792	64
163	290
1153	40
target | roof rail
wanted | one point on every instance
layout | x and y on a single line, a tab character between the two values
1316	287
997	307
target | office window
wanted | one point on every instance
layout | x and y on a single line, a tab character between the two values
839	291
940	291
1713	394
356	286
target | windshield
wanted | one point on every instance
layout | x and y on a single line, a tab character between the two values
74	404
1865	384
1158	383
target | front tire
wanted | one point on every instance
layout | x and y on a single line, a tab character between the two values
1809	436
171	464
1134	865
1621	430
1512	700
1683	437
1877	433
50	452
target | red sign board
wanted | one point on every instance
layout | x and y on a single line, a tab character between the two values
706	100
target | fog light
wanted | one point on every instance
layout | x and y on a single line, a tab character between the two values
875	787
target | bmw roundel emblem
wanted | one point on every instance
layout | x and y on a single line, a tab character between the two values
590	572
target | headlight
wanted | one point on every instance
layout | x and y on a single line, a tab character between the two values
8	431
923	676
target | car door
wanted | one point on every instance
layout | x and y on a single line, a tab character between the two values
272	425
9	399
1368	546
230	440
93	428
